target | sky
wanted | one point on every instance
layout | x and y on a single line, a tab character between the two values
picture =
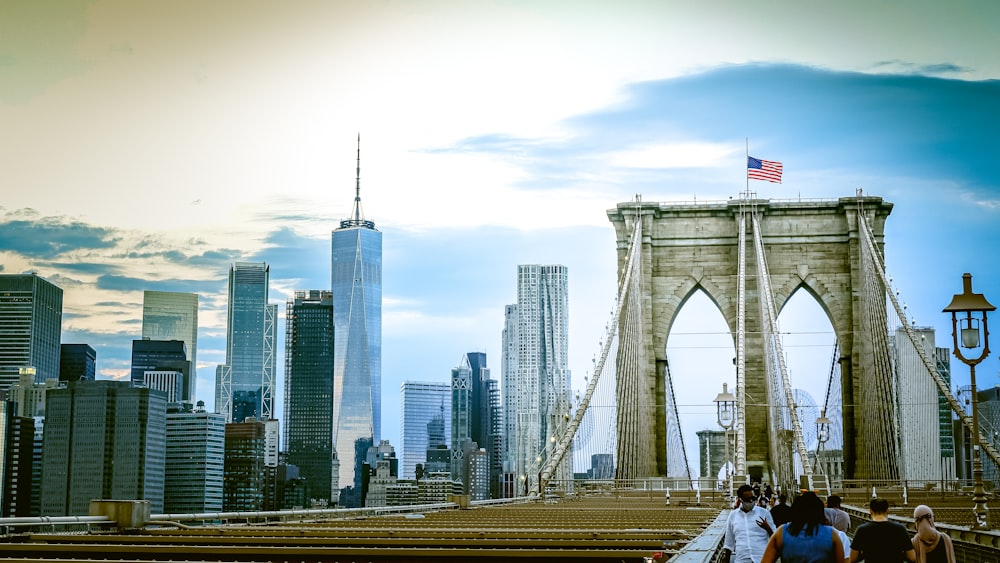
148	145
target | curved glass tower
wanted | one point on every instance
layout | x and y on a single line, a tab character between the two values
357	349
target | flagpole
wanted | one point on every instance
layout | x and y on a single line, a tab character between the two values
746	163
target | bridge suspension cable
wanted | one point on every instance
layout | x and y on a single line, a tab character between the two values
783	419
629	415
878	269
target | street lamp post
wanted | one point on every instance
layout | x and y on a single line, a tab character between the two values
725	405
822	435
963	322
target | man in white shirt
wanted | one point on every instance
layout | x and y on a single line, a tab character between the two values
747	530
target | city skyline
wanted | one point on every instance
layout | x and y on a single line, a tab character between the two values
242	136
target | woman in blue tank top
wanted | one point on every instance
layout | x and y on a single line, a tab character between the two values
805	539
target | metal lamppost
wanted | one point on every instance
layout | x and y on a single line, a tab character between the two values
822	435
725	406
964	322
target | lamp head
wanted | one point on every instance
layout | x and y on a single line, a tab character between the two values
967	301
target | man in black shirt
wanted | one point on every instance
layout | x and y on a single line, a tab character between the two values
881	541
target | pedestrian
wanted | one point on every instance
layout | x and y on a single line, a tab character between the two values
831	514
881	541
843	520
747	530
781	512
805	539
930	545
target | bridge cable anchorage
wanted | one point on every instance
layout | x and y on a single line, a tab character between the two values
868	240
630	276
779	387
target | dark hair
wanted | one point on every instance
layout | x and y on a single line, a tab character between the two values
807	511
833	501
743	489
879	506
782	497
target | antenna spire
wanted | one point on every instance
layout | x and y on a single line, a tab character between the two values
357	185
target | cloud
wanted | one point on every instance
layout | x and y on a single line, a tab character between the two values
126	283
49	237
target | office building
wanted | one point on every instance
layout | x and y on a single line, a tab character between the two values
194	469
76	362
161	365
474	418
245	386
425	423
30	396
356	281
383	471
537	378
309	390
942	360
244	471
168	315
31	321
102	440
16	461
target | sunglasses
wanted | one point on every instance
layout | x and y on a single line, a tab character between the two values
922	517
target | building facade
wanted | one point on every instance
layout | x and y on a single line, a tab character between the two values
244	472
309	390
474	421
76	362
30	327
539	383
245	386
16	461
168	315
195	461
102	440
161	365
919	409
425	422
356	281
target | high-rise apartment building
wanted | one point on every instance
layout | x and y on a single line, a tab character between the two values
245	387
168	315
425	423
309	389
30	327
196	448
76	362
102	440
356	281
537	378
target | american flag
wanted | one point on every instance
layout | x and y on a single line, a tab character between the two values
758	169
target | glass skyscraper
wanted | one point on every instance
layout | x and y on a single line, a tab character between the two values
168	315
426	407
537	379
248	389
356	280
30	327
309	389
